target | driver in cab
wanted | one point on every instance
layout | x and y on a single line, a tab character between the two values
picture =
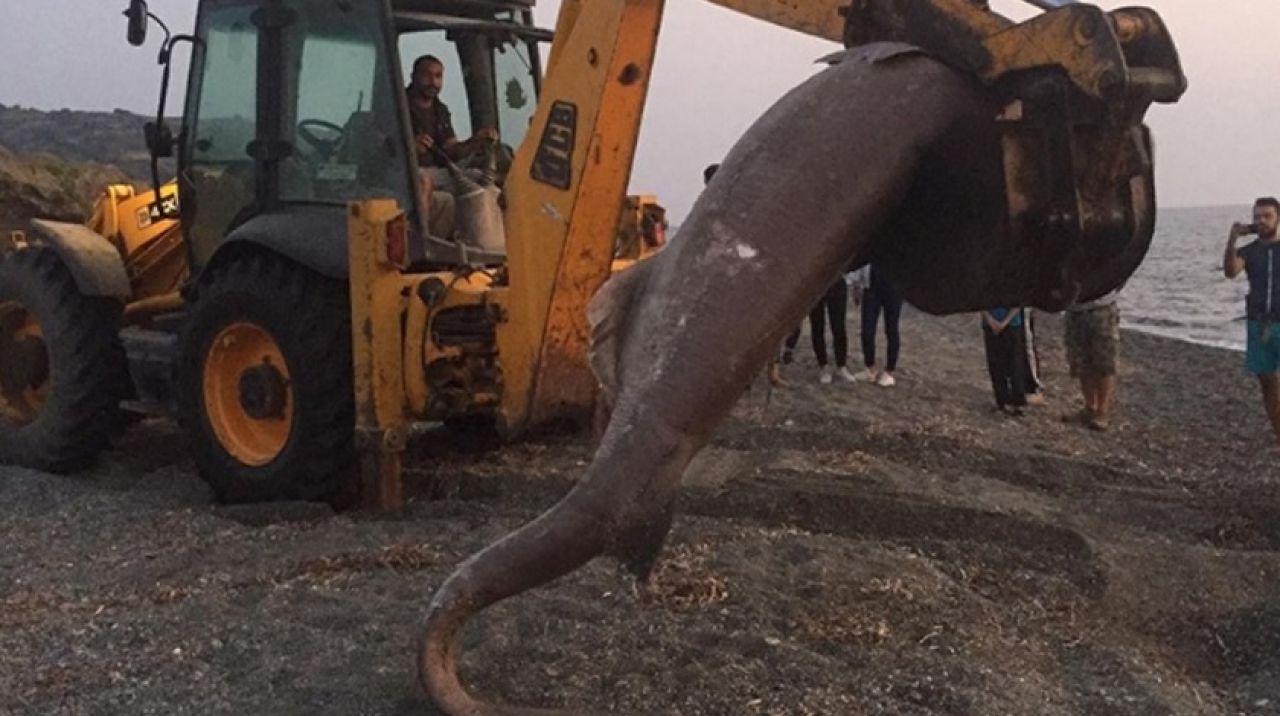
435	141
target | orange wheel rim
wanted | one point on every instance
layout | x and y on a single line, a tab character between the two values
248	395
24	364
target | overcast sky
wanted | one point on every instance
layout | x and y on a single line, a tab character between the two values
717	71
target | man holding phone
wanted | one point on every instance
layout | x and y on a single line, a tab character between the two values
1260	261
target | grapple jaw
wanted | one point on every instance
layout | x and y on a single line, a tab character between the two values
1116	56
1072	86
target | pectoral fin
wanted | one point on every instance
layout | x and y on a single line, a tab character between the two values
609	317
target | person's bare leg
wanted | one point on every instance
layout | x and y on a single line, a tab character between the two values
1082	415
444	209
425	188
775	373
1106	391
1104	394
1089	389
1271	401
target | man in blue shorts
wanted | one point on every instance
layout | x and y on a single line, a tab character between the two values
1260	260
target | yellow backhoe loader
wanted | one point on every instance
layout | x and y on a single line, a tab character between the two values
66	290
318	316
128	228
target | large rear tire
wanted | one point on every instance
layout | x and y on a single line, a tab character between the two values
62	372
265	382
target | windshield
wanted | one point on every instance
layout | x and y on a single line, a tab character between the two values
340	109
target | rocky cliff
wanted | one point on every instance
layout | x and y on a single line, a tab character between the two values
55	164
45	186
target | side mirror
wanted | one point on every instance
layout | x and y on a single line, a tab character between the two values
159	139
137	14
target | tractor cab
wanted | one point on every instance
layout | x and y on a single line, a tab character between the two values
297	107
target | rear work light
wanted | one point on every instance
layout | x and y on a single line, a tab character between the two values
397	240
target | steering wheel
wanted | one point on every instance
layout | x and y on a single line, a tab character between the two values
325	148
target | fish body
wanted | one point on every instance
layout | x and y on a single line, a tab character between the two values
888	155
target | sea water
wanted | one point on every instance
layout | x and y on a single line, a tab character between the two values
1179	291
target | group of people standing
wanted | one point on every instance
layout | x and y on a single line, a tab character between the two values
1093	330
874	296
1092	340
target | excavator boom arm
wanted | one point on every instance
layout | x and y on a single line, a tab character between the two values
820	18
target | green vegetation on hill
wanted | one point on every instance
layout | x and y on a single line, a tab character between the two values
113	138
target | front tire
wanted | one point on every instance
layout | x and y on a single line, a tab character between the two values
62	372
265	382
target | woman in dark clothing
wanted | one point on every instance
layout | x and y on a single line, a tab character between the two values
833	306
878	295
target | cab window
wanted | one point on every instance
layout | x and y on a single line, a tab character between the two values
517	92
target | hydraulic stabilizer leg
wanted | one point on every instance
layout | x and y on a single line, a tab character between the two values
376	235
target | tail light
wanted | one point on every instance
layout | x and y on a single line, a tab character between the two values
397	240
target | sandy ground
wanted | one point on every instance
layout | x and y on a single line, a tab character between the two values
839	549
